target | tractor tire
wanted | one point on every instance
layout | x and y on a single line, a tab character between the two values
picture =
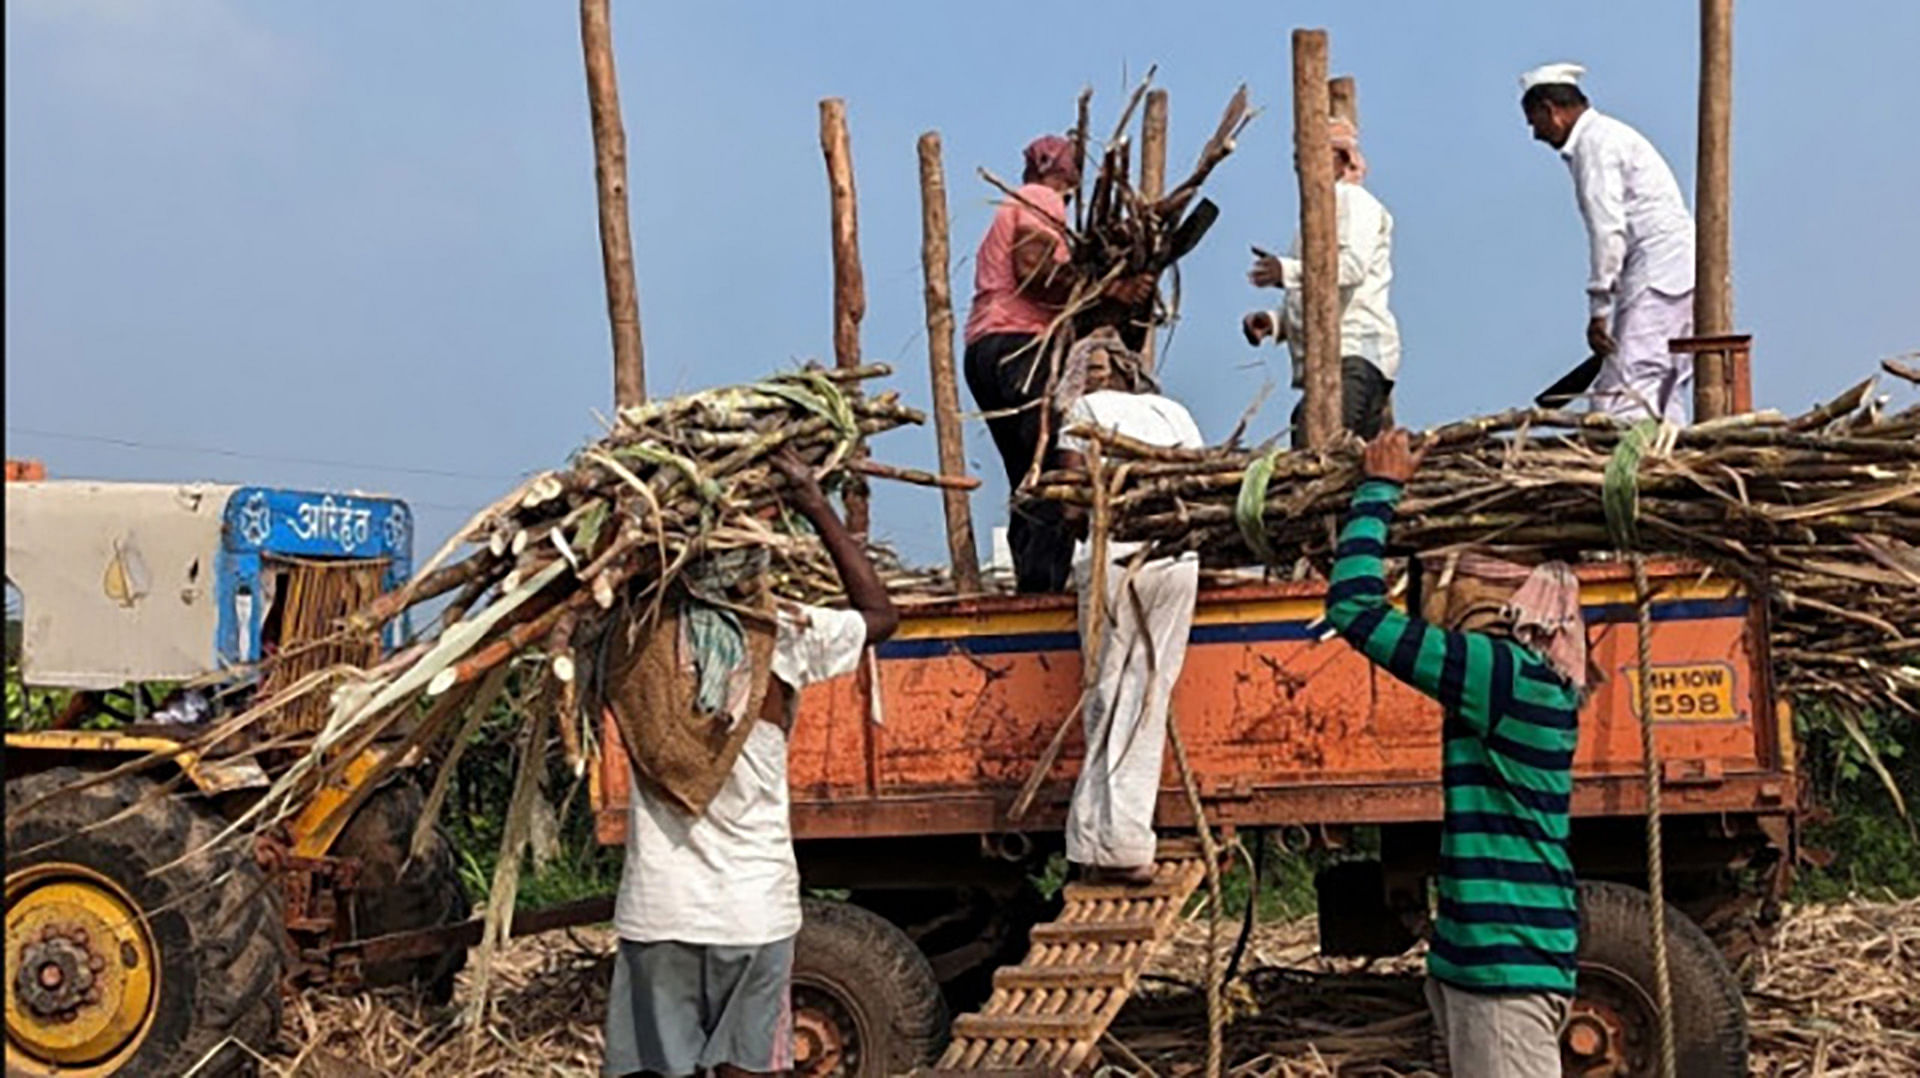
1613	1027
139	971
865	1002
397	895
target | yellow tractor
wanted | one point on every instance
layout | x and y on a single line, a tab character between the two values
124	954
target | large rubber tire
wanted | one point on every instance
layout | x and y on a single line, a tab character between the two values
214	921
1617	972
396	895
854	970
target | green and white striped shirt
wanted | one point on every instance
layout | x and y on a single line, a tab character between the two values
1508	920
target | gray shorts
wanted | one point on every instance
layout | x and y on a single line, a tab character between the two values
1499	1036
679	1008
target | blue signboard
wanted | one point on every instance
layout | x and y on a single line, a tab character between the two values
260	521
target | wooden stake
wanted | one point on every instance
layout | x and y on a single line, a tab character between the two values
1153	176
1319	238
1713	251
610	178
849	286
934	263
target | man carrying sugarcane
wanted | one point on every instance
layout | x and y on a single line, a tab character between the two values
1139	614
1640	248
1021	284
1504	650
1369	334
709	899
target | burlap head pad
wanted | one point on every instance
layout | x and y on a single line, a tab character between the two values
1466	601
677	751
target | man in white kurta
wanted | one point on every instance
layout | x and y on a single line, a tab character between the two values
1640	246
709	902
1369	333
1143	636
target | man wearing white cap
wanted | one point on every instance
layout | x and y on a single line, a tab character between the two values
1640	237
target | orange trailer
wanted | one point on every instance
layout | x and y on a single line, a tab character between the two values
902	774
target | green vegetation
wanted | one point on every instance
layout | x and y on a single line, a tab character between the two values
1865	775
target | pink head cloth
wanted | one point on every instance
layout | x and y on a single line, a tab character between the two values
1345	137
1544	610
1052	157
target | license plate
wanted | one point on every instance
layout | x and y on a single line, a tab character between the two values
1687	692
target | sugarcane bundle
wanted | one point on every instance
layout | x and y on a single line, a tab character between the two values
1820	512
1119	232
554	563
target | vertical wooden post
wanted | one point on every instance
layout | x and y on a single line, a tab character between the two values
1153	176
610	178
849	286
934	263
1713	250
1319	238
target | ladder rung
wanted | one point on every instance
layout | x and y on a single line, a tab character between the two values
1025	1027
1015	978
1108	892
1179	849
1128	930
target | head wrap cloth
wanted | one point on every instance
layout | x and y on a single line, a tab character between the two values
1538	605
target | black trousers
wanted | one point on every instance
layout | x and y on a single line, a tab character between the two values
1363	401
1005	372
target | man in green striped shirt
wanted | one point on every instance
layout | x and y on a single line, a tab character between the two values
1510	677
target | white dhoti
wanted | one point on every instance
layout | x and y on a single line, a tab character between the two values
1111	820
1644	377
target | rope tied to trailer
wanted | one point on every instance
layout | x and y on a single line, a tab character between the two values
1620	498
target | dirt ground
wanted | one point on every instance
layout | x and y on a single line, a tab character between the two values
1836	993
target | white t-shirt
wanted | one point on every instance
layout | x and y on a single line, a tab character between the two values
728	876
1144	417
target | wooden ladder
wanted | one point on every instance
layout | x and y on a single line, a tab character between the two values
1046	1015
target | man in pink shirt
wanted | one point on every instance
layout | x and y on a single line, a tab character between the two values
1021	283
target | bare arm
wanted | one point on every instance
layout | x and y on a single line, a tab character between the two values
865	592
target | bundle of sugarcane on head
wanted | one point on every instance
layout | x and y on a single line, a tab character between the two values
1042	283
680	538
1820	513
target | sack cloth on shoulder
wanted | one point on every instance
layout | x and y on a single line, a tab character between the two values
681	751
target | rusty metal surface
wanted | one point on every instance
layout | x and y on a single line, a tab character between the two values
1284	724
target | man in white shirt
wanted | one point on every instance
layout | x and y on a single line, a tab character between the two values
1640	248
1143	636
1369	334
709	901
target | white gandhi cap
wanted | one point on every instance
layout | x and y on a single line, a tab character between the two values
1562	74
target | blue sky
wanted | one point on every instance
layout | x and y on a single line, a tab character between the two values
353	244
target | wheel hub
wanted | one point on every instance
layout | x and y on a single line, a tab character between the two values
826	1039
1609	1029
58	972
81	973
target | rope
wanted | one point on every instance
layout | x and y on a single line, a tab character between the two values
1216	1000
1250	508
1620	498
1656	873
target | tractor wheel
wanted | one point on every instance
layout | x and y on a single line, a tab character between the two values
120	961
1613	1028
865	1003
395	894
